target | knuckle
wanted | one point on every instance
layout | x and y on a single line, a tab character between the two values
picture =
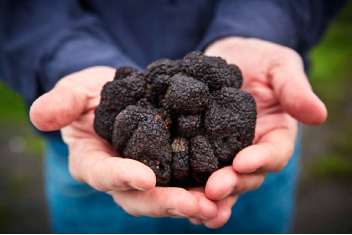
116	174
99	177
259	182
282	165
74	171
155	197
284	54
155	205
125	207
131	211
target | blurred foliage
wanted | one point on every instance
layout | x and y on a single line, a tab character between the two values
7	215
14	116
20	183
331	166
12	108
331	62
331	79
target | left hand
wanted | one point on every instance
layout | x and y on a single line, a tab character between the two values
70	106
275	76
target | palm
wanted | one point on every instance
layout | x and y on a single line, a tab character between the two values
70	107
274	75
270	114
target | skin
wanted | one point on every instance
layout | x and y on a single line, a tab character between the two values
272	73
275	76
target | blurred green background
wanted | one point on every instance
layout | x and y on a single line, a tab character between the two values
324	199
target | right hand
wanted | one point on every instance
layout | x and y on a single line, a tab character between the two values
70	106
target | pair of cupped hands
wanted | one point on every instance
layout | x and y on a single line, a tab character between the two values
273	74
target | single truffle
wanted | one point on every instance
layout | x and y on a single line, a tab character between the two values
164	67
230	122
126	123
149	143
214	71
158	76
189	125
180	158
115	96
187	95
203	160
125	71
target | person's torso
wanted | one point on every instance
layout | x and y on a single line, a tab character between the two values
149	30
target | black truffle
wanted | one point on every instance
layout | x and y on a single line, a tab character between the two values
125	71
180	158
164	67
142	135
115	96
184	119
214	71
230	122
203	160
187	95
189	125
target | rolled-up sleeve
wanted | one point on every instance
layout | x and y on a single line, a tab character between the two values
41	41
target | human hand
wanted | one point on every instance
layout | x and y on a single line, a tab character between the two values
275	76
70	106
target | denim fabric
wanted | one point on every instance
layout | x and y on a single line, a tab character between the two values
77	208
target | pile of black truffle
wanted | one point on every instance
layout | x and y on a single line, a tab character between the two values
184	119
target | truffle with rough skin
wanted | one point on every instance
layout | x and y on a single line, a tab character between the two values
189	125
158	76
230	122
115	96
184	119
180	158
214	71
141	134
203	159
187	95
125	71
164	67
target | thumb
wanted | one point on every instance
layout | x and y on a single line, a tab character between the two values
59	107
294	92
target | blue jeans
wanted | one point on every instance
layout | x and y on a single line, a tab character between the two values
77	208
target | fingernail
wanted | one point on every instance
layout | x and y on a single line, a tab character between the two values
228	193
253	170
199	216
130	184
174	212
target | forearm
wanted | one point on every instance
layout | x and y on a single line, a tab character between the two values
43	41
295	24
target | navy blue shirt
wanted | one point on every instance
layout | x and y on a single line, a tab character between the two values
41	41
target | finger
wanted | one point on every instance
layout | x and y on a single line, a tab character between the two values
267	122
270	154
207	208
292	88
93	163
196	221
57	108
158	202
226	181
68	99
224	212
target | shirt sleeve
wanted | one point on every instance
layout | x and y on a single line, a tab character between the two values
41	41
297	24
